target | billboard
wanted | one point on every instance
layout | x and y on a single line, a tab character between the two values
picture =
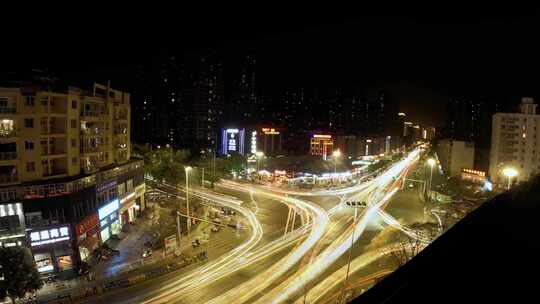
232	141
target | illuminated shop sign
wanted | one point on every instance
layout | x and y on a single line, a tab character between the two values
474	172
108	209
10	209
49	236
232	140
253	142
322	136
269	131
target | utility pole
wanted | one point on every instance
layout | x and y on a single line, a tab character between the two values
202	181
187	169
178	229
350	255
214	168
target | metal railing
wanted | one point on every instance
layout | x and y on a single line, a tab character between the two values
91	113
8	109
6	179
7	133
8	155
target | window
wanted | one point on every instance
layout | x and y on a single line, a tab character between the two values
28	122
129	185
73	124
31	166
28	145
73	143
74	104
121	189
29	99
74	161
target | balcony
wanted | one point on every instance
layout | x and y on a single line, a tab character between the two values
54	173
5	133
8	155
8	179
8	109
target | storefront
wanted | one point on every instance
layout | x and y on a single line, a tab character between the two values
88	236
51	247
132	204
109	221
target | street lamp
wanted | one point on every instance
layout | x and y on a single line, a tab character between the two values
510	172
170	152
188	169
259	154
431	162
350	248
336	154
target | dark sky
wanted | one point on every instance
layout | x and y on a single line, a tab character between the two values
423	52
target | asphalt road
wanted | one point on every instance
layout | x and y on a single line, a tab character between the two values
272	216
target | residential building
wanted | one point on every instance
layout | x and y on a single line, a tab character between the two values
455	155
321	145
267	139
204	97
63	158
514	142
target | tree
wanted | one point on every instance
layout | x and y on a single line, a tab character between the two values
404	250
18	273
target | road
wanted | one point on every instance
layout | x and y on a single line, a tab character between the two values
273	267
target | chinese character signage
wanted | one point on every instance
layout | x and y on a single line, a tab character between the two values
49	236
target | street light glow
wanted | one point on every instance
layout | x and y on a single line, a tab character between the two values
188	168
336	153
259	153
431	162
510	172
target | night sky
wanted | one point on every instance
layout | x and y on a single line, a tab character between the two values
423	55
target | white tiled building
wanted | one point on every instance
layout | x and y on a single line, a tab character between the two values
514	143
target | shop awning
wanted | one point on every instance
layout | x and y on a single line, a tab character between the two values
91	243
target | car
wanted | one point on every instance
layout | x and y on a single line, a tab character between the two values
195	243
147	253
215	229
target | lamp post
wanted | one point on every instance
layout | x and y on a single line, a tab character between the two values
170	152
259	154
510	172
336	154
355	206
188	169
431	163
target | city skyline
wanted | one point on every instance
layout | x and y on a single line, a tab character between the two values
276	155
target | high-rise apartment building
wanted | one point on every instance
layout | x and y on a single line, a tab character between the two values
514	143
204	95
67	182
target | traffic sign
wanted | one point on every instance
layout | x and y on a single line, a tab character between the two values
354	204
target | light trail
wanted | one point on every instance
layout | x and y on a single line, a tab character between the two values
211	271
257	284
291	287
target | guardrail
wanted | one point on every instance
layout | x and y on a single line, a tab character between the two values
101	287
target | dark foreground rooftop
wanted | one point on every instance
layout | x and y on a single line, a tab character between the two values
491	256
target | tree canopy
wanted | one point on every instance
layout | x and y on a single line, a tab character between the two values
18	273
